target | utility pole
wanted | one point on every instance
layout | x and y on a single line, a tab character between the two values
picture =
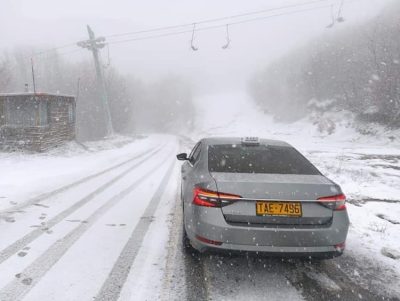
94	45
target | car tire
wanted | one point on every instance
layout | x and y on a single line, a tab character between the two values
186	244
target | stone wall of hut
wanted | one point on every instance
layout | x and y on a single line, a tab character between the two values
53	128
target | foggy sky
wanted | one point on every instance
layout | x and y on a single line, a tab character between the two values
50	23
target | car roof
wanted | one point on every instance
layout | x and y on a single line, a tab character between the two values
238	140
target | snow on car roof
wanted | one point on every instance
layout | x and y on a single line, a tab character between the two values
238	140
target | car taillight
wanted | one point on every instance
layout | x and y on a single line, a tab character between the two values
340	247
335	202
208	241
208	198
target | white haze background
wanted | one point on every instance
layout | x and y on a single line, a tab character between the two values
47	23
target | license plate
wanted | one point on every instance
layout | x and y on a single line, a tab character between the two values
292	209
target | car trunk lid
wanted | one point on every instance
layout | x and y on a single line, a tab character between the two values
278	188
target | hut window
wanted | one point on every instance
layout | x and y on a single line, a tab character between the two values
21	113
26	113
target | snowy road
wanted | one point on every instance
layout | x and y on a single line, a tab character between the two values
113	231
86	239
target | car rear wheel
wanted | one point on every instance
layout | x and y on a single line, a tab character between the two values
187	246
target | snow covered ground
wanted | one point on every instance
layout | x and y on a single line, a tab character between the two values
103	220
24	176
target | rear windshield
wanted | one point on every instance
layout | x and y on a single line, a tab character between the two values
258	159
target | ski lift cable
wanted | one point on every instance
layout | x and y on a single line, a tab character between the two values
54	49
223	25
190	24
204	22
44	51
230	24
217	19
55	56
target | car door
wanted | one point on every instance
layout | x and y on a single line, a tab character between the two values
188	171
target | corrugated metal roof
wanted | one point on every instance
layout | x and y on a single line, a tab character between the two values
34	94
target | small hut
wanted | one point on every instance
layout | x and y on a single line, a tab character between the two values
36	121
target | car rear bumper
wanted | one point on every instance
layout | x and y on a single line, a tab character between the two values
209	223
319	252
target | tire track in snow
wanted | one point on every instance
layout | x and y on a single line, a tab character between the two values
31	236
172	287
331	280
247	276
112	287
186	261
50	194
18	288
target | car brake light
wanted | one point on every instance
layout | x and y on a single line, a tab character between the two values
208	198
208	241
340	247
335	202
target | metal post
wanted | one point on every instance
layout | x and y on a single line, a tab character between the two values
78	89
33	77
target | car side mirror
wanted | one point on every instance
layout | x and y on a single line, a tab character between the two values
182	157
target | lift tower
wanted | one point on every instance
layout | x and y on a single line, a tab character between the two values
94	45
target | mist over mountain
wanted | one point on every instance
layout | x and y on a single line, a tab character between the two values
355	69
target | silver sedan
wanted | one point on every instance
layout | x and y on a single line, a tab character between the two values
250	194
